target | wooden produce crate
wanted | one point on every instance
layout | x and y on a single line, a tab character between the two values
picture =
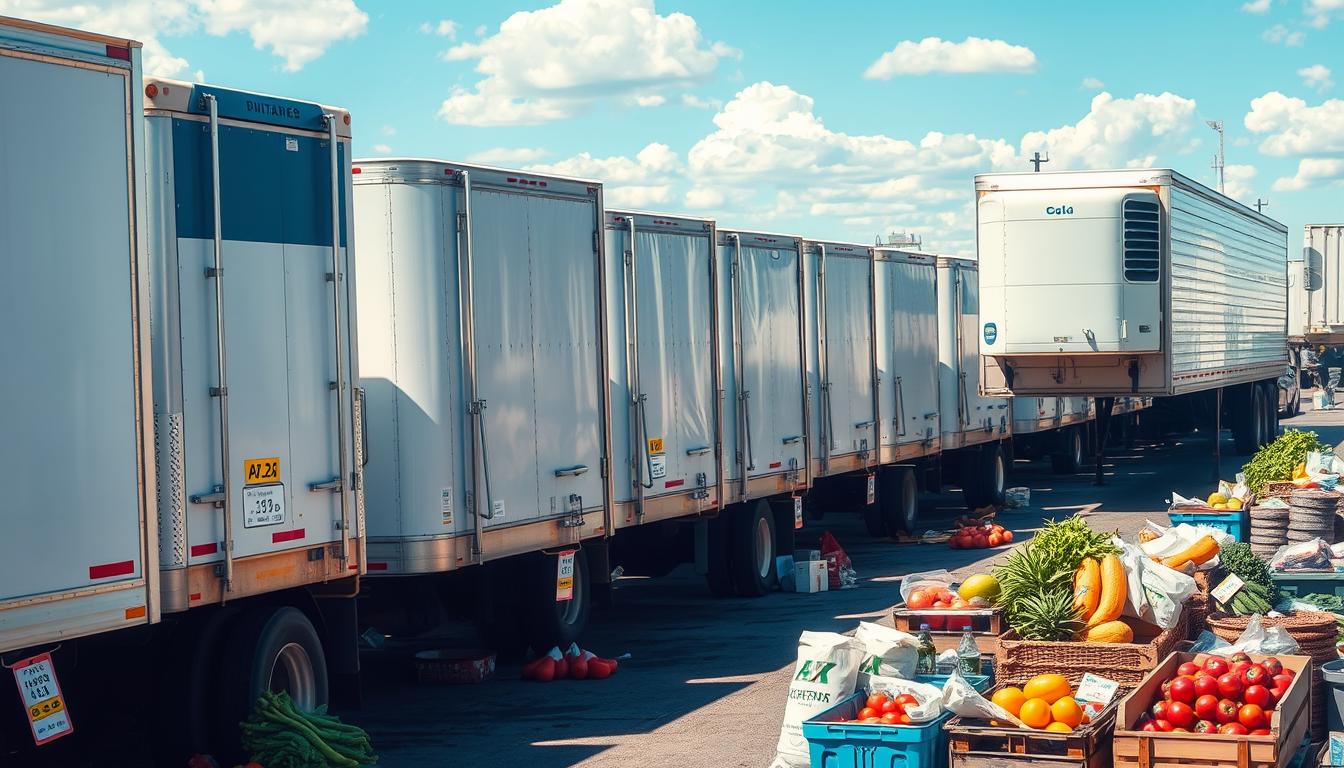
1126	663
1133	748
986	624
974	743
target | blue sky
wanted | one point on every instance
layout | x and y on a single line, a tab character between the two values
840	120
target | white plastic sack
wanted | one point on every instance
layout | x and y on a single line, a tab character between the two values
1166	590
938	578
1132	557
930	698
825	673
887	652
1178	538
961	698
1259	640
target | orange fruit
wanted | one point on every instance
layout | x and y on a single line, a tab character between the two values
1052	688
1011	699
1058	727
1035	713
1067	711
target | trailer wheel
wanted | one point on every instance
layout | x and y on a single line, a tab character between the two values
753	549
1248	421
899	499
1068	460
269	649
990	473
1271	390
549	623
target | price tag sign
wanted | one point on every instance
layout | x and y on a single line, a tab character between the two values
42	700
263	505
1096	690
872	489
657	466
1227	588
564	576
797	512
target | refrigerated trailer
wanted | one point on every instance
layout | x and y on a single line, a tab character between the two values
1321	292
1137	282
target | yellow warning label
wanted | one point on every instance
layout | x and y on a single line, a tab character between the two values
261	471
655	445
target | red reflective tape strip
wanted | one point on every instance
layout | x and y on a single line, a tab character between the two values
194	597
201	550
354	567
107	570
776	464
280	536
674	483
377	566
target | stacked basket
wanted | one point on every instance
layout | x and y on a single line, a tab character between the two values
1269	530
1314	632
1311	515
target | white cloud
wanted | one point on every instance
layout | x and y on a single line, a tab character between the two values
1118	132
1256	6
696	102
635	182
1313	172
480	30
1238	181
509	156
298	33
704	197
1092	83
1281	34
443	28
553	63
1294	128
388	130
1319	13
382	149
199	76
652	100
1316	76
935	55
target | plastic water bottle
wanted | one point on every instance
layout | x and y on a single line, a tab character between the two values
968	653
928	655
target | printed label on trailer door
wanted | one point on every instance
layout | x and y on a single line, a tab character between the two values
263	505
261	471
797	512
41	692
657	466
564	576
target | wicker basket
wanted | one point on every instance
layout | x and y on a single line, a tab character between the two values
1125	663
1277	489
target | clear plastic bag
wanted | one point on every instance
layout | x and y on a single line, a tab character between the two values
938	578
961	698
1257	639
930	698
1311	555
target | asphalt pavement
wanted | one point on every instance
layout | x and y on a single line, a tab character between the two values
706	680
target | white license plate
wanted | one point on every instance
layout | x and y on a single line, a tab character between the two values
564	576
263	505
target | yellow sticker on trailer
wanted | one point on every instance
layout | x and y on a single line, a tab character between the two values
655	445
261	471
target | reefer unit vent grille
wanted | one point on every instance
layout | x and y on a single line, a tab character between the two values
1142	241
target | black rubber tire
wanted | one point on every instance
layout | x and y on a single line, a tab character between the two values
718	575
753	569
1271	412
250	664
993	474
899	499
1070	458
1247	419
548	623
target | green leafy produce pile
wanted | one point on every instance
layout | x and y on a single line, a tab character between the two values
1259	594
1036	582
1332	603
1275	461
278	735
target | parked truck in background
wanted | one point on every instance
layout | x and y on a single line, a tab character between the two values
1135	282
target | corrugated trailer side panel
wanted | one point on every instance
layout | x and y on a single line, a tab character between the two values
1228	276
1323	257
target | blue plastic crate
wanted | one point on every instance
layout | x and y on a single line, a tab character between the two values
980	683
1299	583
1233	522
833	744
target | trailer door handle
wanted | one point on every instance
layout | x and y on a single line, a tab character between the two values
215	496
863	425
573	471
701	451
792	440
333	485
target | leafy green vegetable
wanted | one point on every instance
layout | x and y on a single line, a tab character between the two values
1275	461
1260	593
278	735
1036	581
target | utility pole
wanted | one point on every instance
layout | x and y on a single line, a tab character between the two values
1260	205
1036	160
1219	162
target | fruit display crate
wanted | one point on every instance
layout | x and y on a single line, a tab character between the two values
1020	660
974	743
945	626
1133	748
1299	583
1234	522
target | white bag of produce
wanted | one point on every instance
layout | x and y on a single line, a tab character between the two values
939	578
887	652
1132	557
961	698
1258	640
930	697
1166	590
827	667
1179	538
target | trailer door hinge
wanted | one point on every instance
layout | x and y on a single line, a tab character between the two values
461	222
602	466
595	236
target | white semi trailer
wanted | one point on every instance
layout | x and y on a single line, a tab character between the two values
166	272
1132	283
1320	294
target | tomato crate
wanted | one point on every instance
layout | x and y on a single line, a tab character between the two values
974	743
1133	748
945	626
835	744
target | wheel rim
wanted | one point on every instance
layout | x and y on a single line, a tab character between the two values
1077	443
765	559
570	609
999	478
292	672
910	505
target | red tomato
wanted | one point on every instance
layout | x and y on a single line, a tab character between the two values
1238	657
1260	732
1164	725
981	541
1206	685
1183	690
1230	686
1180	714
1275	694
1227	711
892	705
1259	695
1239	666
905	719
995	539
561	669
907	700
954	543
1234	728
1188	669
1206	726
936	623
1255	675
1282	680
891	718
578	668
919	600
1007	537
1273	666
875	702
1150	727
1159	710
1251	716
1216	666
1206	707
868	712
